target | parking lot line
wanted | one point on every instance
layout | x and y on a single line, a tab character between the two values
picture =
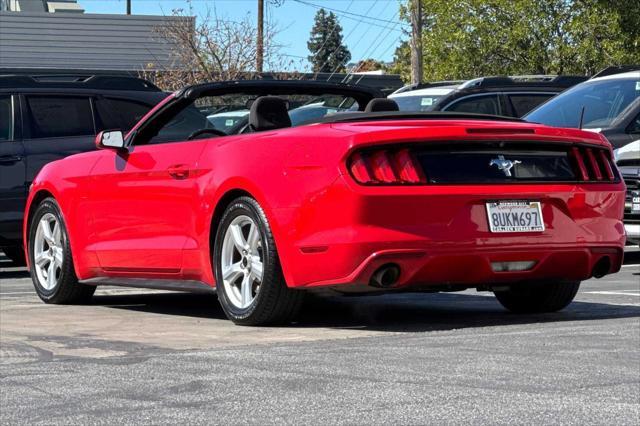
619	293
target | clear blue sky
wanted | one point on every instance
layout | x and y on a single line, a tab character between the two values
374	36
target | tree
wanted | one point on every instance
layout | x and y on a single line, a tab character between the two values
328	54
213	48
470	38
368	65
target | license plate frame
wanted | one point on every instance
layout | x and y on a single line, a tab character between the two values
515	216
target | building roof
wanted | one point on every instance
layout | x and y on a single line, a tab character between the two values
85	41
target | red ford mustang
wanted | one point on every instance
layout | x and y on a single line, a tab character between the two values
358	198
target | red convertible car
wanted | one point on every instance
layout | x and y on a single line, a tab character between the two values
364	199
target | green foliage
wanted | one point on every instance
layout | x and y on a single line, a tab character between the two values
328	54
470	38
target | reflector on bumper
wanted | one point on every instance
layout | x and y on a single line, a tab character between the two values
513	266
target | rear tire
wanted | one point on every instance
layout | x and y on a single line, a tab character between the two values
252	289
538	298
51	264
15	255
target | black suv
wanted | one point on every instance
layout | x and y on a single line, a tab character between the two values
45	118
511	96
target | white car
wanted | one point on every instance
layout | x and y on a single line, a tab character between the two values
628	161
227	120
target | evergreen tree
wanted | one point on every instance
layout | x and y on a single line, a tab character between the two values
328	54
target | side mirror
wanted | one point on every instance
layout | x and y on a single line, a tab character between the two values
110	139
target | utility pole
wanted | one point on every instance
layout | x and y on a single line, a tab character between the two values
260	41
416	41
128	7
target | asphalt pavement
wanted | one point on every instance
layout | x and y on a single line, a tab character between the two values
149	357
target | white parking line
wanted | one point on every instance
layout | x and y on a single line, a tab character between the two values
618	293
631	266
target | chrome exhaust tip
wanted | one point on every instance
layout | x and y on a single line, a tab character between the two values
385	276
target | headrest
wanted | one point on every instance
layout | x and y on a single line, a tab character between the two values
268	113
381	104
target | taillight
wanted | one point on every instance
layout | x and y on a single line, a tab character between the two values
385	166
593	164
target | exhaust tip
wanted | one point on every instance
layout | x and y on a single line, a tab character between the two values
602	267
385	276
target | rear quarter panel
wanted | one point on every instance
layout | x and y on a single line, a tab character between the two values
282	170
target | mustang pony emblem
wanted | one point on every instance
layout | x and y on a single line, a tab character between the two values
504	165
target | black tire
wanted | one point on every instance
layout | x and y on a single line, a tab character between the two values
538	298
15	255
67	290
275	303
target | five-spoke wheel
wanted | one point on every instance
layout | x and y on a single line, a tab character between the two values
242	261
251	288
50	257
48	253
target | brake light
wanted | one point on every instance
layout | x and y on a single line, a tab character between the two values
380	167
593	164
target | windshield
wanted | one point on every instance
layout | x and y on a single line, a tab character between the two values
424	100
602	101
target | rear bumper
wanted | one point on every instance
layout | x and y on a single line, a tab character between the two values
474	267
440	235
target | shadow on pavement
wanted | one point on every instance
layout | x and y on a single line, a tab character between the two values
11	274
392	312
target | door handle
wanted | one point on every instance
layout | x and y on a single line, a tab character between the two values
10	159
179	171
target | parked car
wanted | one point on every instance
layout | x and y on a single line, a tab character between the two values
509	96
353	202
227	120
46	118
628	161
608	104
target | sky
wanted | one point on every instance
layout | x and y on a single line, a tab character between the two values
371	28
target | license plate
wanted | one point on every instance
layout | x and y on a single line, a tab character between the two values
515	216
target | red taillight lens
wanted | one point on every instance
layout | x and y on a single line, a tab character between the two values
360	169
593	164
407	169
381	165
604	159
386	167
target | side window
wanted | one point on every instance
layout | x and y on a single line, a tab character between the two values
6	118
121	114
58	116
522	103
183	125
477	105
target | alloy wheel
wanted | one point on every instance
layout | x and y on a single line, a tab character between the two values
48	251
242	261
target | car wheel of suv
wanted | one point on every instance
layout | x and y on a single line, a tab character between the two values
538	298
51	269
249	280
15	255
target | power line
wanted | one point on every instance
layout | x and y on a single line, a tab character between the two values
352	16
373	49
346	12
361	37
333	30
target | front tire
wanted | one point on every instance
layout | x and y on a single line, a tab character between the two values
249	280
538	298
52	271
